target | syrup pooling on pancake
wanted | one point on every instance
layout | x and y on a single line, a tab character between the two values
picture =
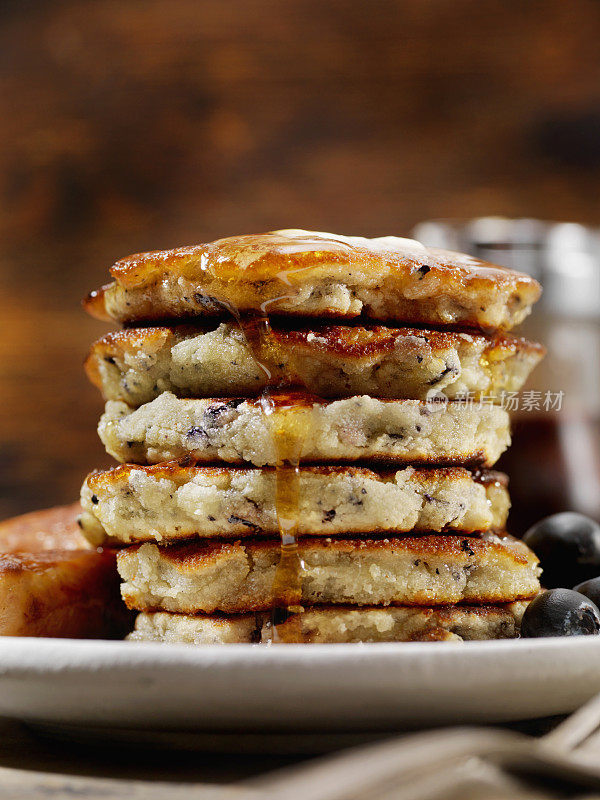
235	257
257	256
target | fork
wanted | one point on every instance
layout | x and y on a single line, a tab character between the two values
432	764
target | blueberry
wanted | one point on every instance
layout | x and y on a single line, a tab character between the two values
560	612
590	589
568	546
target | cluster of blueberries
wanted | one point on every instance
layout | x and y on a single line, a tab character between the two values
568	546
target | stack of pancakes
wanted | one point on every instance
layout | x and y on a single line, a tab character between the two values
306	424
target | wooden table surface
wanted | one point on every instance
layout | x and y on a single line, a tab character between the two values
131	126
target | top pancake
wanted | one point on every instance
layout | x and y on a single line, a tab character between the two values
306	273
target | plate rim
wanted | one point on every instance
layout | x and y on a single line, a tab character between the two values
33	654
240	686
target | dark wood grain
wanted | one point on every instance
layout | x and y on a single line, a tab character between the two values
130	126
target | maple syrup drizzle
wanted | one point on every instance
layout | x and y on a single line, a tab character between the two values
285	426
287	435
287	583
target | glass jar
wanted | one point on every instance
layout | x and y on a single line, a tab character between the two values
554	461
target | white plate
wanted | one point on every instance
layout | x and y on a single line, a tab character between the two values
253	688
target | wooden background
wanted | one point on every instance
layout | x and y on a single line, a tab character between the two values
131	125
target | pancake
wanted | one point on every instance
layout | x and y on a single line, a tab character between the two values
51	585
342	431
60	593
337	625
137	364
184	629
170	501
50	529
235	577
306	273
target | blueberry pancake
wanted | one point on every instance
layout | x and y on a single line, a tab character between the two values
313	274
168	501
137	364
337	625
234	577
355	429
